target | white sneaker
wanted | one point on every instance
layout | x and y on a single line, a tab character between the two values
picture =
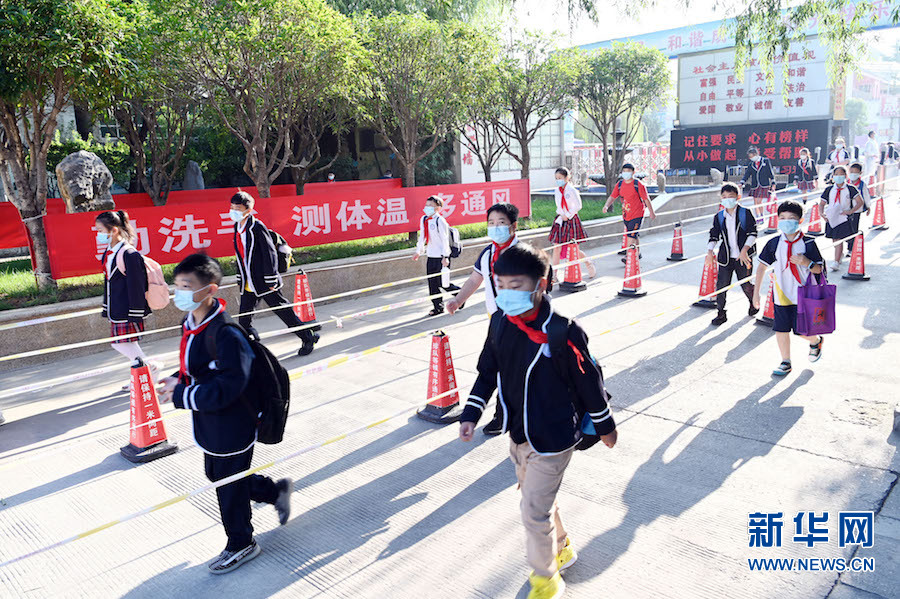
834	265
2	419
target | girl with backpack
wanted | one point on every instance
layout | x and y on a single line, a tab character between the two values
567	227
125	285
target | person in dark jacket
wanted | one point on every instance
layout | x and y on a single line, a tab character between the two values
258	274
807	174
223	421
124	290
734	231
540	398
760	178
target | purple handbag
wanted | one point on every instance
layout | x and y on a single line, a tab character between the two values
815	307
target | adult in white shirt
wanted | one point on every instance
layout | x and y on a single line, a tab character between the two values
434	243
872	154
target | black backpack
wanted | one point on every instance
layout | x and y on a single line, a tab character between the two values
284	258
268	392
558	340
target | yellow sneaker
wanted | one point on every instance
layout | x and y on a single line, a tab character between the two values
567	556
546	588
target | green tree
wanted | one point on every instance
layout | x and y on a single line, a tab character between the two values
614	89
536	89
50	52
421	77
857	113
264	65
480	130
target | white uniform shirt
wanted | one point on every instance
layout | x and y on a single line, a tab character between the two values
483	267
243	232
438	237
731	235
111	258
573	201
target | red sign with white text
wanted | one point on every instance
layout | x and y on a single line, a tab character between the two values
169	233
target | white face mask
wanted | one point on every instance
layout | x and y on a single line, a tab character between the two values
756	158
854	176
560	182
627	175
236	215
839	146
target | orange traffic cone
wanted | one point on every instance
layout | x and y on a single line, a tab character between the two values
768	313
441	380
624	249
631	287
878	219
572	281
772	226
708	285
677	245
815	221
857	270
305	311
147	439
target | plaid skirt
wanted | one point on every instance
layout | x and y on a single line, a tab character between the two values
760	192
126	328
805	186
569	230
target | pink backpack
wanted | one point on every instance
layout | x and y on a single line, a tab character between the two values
157	289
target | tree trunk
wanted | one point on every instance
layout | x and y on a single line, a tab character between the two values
526	160
299	176
408	174
264	188
39	250
487	174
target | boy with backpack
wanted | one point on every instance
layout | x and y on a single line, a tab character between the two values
856	180
434	242
216	382
635	199
553	401
258	273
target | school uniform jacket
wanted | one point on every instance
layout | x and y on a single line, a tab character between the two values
124	293
807	170
759	174
224	423
745	228
261	259
537	405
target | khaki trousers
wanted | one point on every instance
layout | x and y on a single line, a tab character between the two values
539	480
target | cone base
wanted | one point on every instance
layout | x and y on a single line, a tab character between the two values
814	234
138	455
705	303
676	258
572	287
436	415
855	277
765	321
770	230
632	293
878	227
622	252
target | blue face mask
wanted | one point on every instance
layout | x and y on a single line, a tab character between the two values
428	210
514	302
102	238
840	179
184	299
789	227
499	234
627	175
236	215
729	202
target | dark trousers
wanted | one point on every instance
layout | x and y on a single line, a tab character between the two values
235	498
734	266
433	266
853	219
273	299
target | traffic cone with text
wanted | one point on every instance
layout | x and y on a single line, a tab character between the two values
443	399
304	307
624	249
772	226
767	315
815	221
631	287
677	245
147	439
857	270
878	218
572	280
708	285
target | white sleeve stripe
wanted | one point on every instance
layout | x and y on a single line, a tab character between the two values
475	405
599	420
478	399
193	397
599	414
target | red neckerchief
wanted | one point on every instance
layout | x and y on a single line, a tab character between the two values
758	164
562	195
837	193
803	164
186	333
540	337
497	250
425	227
795	270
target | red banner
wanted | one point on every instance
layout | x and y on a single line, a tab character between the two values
341	213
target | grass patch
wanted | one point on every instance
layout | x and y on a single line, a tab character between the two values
19	290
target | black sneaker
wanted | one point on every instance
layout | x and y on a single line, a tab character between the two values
308	345
283	503
232	560
436	311
719	319
753	311
493	428
253	333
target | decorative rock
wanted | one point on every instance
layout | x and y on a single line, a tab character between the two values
717	177
661	181
85	182
193	177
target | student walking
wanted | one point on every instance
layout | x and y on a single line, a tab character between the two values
502	221
124	286
872	153
258	275
635	199
213	387
760	178
838	202
807	174
734	231
793	256
856	180
839	156
434	244
567	226
547	381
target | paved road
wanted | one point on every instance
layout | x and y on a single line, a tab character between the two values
404	510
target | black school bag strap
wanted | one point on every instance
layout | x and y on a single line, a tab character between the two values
558	341
212	332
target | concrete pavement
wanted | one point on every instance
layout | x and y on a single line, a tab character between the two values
707	436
